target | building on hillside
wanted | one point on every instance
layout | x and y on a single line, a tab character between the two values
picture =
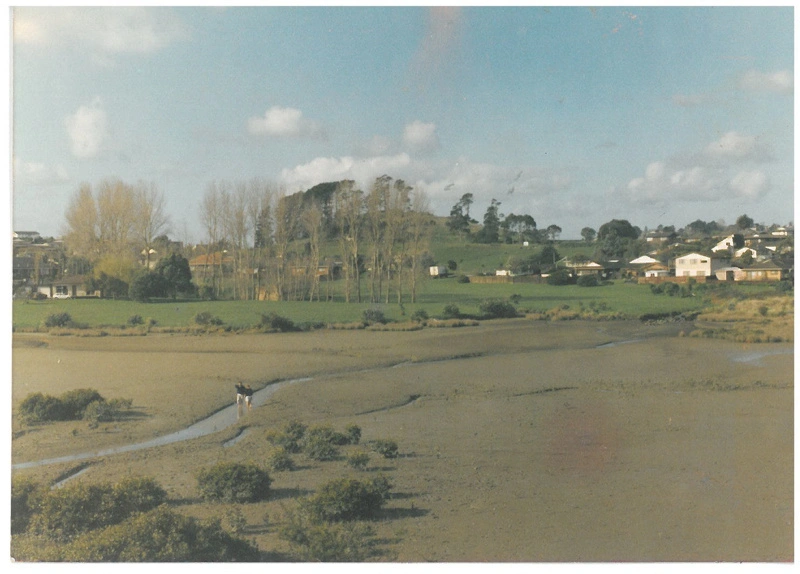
656	269
438	271
587	268
764	271
68	287
25	236
724	245
728	274
699	265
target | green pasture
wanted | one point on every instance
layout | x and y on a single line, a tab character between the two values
632	300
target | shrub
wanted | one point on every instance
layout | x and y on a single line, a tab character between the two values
588	281
76	401
462	279
205	318
420	316
497	309
38	407
763	310
671	289
320	443
347	499
385	447
280	460
322	542
58	320
289	438
25	496
74	509
234	482
784	286
353	433
134	320
371	316
275	322
161	535
358	459
560	277
451	311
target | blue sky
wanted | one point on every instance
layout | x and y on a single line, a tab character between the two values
573	115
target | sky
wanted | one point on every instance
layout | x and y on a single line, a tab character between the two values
574	115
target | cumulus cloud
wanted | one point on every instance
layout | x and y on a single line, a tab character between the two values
103	31
781	81
361	170
284	123
37	173
87	129
735	147
420	136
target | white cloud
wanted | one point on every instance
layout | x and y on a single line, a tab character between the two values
284	122
361	170
104	31
733	146
420	136
87	129
781	82
750	184
37	173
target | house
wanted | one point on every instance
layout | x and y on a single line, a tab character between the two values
764	271
643	260
724	245
587	268
699	265
26	236
68	287
656	269
728	274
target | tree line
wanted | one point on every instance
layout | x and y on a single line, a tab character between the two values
260	242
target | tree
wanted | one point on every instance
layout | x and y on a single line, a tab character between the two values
553	231
81	217
459	219
349	209
588	234
151	217
618	228
744	222
176	273
211	216
490	232
523	227
146	286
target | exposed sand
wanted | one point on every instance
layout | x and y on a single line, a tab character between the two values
530	444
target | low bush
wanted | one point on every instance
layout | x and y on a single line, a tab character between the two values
420	316
588	281
25	496
451	311
462	279
75	509
274	322
353	433
58	320
497	309
234	482
206	319
347	499
161	535
280	460
289	438
372	316
315	541
385	447
358	459
320	443
77	404
134	320
560	277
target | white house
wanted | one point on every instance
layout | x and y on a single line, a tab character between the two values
438	271
643	260
724	245
699	265
656	269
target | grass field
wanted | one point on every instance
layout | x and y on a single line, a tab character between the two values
628	299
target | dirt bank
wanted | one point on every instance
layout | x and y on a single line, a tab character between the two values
520	440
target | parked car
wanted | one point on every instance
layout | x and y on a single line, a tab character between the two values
61	296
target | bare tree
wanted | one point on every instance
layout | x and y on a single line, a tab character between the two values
394	235
349	202
81	234
116	209
211	216
419	228
259	214
287	220
151	217
312	220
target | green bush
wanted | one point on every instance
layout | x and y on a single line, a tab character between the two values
358	459
372	316
451	311
462	279
58	320
161	535
420	316
38	407
205	319
385	447
320	443
497	309
25	496
234	482
315	541
86	404
560	277
74	509
134	320
274	322
353	433
76	401
588	281
289	438
280	459
347	499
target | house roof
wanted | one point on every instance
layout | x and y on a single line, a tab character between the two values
644	259
768	265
